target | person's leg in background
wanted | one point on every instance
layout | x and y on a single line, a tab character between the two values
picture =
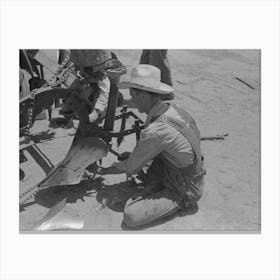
145	57
159	59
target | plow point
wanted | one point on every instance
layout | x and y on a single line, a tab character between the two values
83	152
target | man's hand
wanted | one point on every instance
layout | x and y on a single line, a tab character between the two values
93	116
94	168
108	170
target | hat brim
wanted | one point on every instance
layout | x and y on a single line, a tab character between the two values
160	88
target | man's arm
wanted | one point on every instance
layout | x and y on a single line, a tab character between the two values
102	100
149	146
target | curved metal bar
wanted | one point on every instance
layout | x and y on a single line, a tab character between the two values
29	63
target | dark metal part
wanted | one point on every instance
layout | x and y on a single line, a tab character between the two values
111	110
138	130
123	123
129	114
121	156
114	152
125	132
134	116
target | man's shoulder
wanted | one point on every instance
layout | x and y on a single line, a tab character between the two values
177	112
173	112
152	128
174	117
160	127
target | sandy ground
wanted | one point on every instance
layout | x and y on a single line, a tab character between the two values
206	86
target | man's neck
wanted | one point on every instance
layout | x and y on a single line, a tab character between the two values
151	105
158	109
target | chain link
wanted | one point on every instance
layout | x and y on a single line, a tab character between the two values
28	195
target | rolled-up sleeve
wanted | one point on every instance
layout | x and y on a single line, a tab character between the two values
101	102
149	145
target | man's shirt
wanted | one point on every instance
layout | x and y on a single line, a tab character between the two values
159	137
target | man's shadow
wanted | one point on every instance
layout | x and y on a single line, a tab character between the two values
113	197
72	193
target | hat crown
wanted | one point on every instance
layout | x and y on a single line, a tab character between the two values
147	72
147	78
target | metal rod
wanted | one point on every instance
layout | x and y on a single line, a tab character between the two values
111	109
130	113
244	83
29	63
216	137
137	127
124	117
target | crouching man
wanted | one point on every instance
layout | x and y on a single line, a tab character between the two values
174	181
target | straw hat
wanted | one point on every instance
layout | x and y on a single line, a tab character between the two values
146	77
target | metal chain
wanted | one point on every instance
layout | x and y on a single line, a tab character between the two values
61	75
27	195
